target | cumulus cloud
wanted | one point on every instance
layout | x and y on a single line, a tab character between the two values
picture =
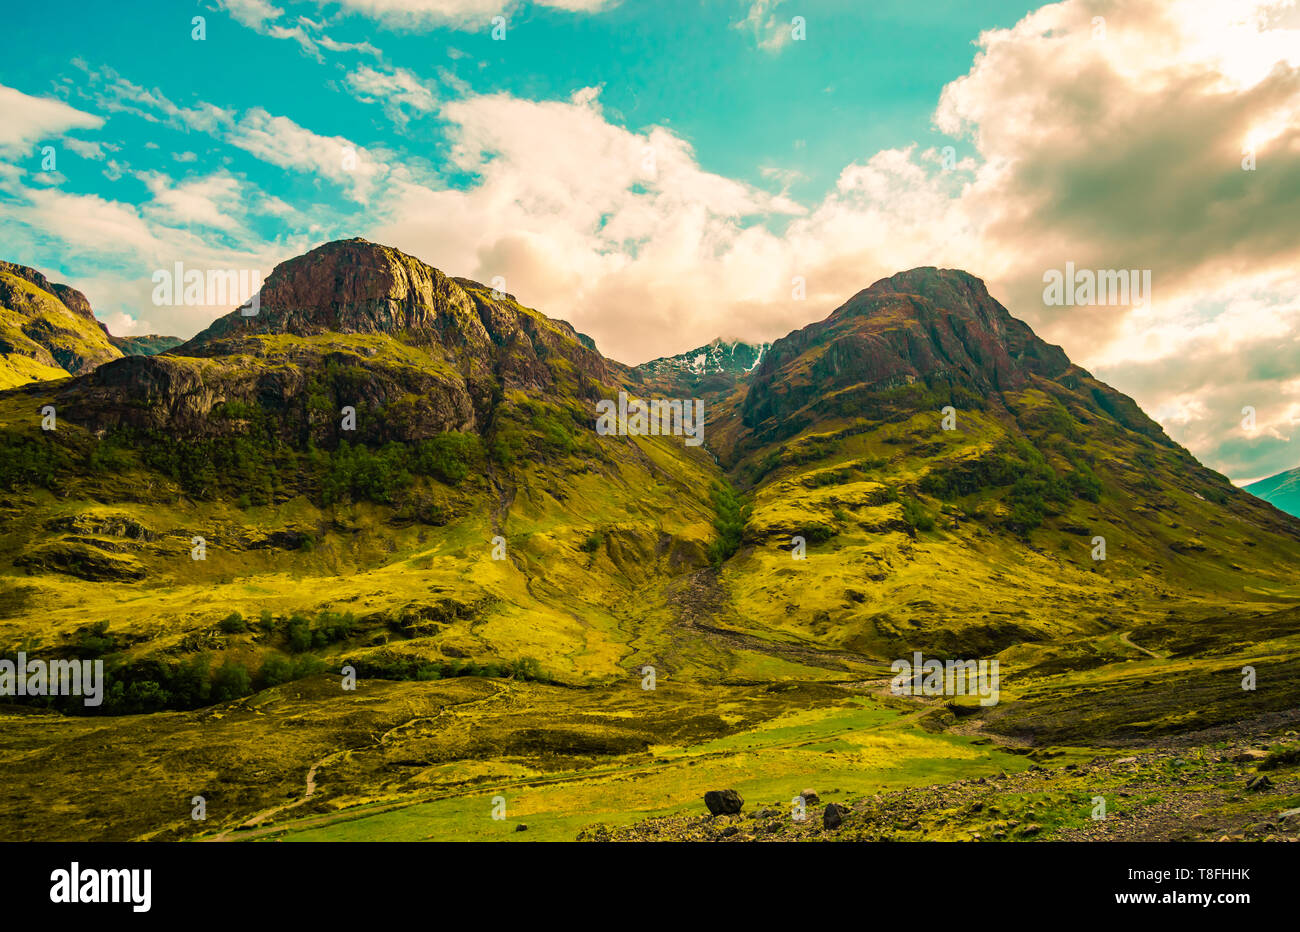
619	232
1111	143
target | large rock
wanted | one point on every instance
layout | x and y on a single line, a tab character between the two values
723	802
834	815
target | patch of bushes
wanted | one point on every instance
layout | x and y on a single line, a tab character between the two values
917	516
302	635
417	668
730	515
30	462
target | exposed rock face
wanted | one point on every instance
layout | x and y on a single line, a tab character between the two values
358	287
358	324
352	286
926	324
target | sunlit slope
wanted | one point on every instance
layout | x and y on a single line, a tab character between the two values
441	484
961	495
47	331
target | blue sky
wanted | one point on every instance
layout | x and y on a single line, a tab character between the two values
662	173
869	82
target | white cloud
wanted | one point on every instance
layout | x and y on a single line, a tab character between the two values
461	14
29	120
216	201
310	35
771	33
397	90
280	141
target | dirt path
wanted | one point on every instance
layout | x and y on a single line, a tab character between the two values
255	825
1125	639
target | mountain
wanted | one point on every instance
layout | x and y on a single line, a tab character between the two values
394	471
150	345
720	357
1282	490
46	330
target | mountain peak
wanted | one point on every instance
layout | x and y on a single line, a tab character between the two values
350	286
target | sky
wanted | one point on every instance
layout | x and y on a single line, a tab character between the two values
663	173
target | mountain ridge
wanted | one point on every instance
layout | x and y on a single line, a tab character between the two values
234	523
1281	490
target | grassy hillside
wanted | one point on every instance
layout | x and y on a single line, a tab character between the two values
403	483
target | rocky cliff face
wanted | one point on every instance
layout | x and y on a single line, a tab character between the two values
928	325
353	323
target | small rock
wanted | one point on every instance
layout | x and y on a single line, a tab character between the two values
834	815
729	831
521	827
810	797
723	802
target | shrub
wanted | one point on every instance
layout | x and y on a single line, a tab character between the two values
233	623
95	641
448	456
298	632
231	682
275	670
917	516
731	513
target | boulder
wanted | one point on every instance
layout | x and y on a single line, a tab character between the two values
723	802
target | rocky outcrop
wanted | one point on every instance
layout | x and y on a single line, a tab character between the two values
926	325
349	324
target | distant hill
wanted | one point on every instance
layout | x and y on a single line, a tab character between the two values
719	356
1282	491
150	345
